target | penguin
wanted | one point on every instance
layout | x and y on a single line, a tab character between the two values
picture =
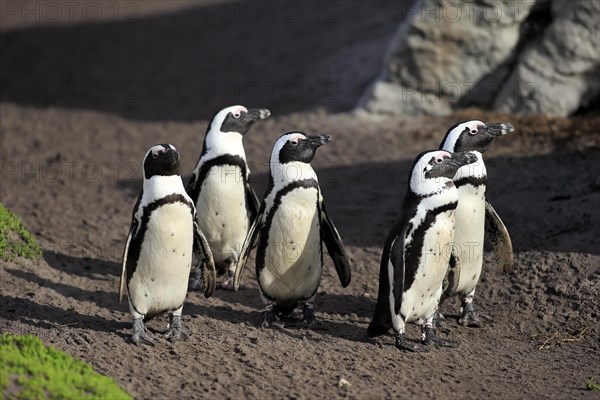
158	252
413	262
290	230
220	188
474	215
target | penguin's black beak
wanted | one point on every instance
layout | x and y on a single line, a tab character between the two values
497	129
254	114
462	158
315	141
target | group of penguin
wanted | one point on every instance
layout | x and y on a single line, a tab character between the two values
190	235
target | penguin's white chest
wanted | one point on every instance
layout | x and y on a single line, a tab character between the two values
222	213
469	236
422	298
293	267
160	280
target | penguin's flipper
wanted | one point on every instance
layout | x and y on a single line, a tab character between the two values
206	262
252	201
396	261
133	230
251	238
124	265
189	189
499	237
334	245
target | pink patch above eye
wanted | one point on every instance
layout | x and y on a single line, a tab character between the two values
296	137
239	110
474	126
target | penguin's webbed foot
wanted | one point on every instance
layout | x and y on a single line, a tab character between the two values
175	330
405	345
227	283
140	334
196	284
272	320
308	316
469	317
439	321
429	337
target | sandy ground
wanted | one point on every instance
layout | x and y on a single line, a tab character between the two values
71	168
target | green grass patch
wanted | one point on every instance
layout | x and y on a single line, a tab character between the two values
30	370
15	241
592	385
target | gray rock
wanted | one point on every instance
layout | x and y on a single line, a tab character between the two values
449	54
561	72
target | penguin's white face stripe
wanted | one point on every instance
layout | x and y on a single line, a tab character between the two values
452	138
156	150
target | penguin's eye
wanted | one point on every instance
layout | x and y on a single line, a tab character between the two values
294	142
473	131
154	155
439	160
237	115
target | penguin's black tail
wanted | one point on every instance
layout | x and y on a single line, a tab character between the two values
382	319
382	316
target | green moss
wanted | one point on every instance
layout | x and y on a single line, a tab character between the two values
30	370
592	385
15	241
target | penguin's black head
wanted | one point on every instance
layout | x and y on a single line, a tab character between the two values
434	168
237	119
446	165
473	136
161	160
297	146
